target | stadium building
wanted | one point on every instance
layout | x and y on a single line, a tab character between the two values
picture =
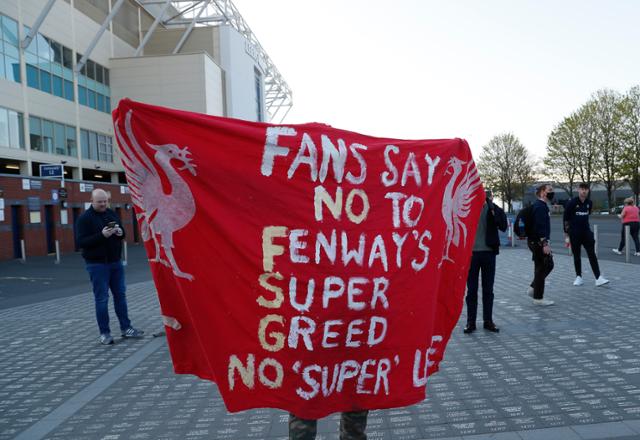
64	66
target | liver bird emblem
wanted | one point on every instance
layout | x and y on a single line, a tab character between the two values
456	203
160	214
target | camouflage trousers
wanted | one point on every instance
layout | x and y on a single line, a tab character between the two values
352	426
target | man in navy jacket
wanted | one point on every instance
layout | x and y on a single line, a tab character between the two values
99	234
540	245
577	230
483	259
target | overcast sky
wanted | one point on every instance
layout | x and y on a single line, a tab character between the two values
418	69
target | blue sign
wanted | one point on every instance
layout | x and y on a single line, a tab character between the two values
51	170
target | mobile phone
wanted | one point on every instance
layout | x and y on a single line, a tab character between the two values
111	225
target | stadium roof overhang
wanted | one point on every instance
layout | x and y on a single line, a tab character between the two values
188	14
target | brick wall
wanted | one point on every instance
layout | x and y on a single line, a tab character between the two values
27	203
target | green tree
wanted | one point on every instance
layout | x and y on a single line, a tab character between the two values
583	129
630	136
506	167
563	154
606	118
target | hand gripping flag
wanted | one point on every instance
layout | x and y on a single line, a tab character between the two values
301	267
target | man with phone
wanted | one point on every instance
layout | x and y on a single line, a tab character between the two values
99	234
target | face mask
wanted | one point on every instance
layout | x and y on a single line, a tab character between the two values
550	195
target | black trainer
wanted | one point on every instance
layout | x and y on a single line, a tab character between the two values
489	325
469	328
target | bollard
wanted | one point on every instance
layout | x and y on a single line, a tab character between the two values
24	253
57	252
124	250
513	234
627	242
510	233
595	237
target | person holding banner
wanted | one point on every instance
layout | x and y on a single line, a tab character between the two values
100	236
483	259
352	426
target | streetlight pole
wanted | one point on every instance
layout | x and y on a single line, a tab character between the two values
62	178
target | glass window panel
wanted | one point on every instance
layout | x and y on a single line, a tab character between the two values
99	73
67	57
4	128
91	85
68	90
44	65
100	102
21	129
12	69
16	136
47	136
56	69
56	51
107	104
91	69
71	141
60	141
31	58
93	146
3	73
33	46
45	81
67	74
106	76
105	148
11	51
44	48
35	131
83	71
110	148
91	98
33	77
57	86
84	143
82	95
10	30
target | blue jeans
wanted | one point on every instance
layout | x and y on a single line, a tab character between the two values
104	276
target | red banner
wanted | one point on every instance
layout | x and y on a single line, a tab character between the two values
301	267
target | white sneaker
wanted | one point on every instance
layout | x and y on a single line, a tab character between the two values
578	281
601	281
530	291
543	302
637	254
616	251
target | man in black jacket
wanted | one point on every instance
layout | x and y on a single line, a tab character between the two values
540	246
100	235
483	260
578	231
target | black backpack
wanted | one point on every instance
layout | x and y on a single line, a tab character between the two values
523	225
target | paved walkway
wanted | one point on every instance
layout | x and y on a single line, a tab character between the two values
566	372
40	278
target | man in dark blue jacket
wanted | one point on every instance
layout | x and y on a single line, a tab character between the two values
483	259
539	244
577	230
99	234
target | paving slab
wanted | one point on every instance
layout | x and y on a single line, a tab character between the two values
570	371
